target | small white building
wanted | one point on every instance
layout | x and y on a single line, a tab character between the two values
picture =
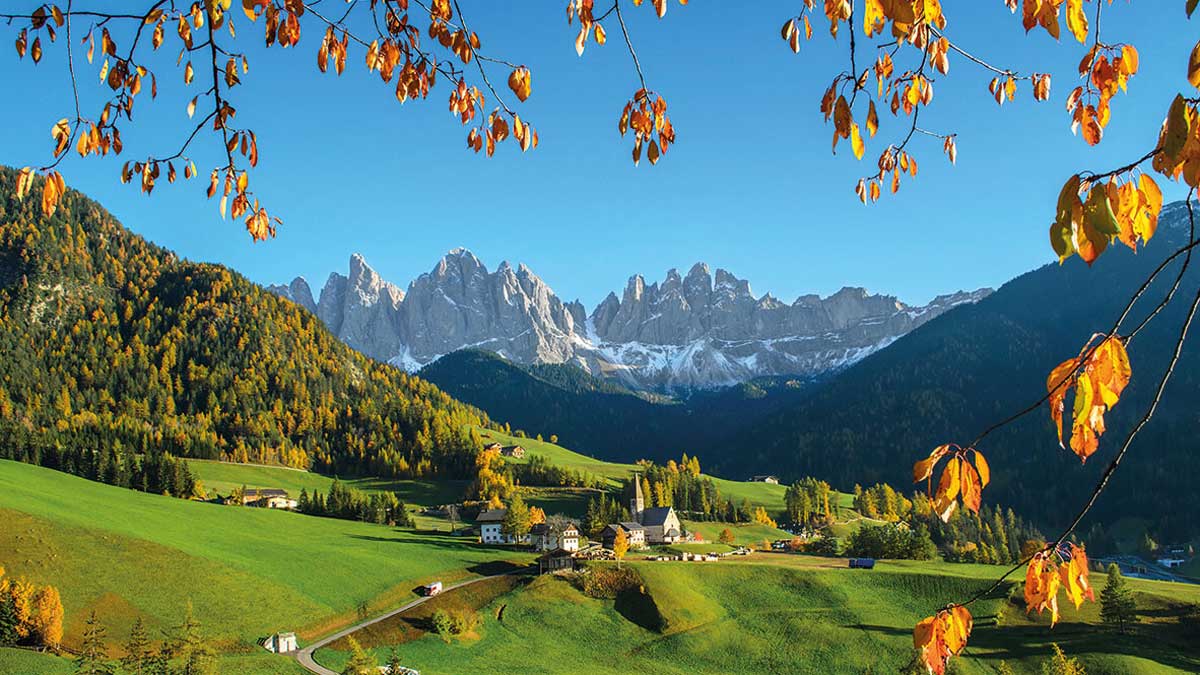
554	536
491	524
281	643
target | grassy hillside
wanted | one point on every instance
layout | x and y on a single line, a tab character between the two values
784	613
758	494
248	572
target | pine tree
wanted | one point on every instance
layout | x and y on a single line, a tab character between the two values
516	519
1117	605
188	647
138	651
93	657
393	663
8	621
360	663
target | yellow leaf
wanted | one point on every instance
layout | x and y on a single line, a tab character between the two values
872	119
1077	21
856	141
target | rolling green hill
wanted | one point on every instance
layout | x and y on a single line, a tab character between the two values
783	614
758	494
248	572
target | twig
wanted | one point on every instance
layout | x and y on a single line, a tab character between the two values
629	43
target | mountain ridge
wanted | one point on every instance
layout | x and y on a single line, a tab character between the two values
684	333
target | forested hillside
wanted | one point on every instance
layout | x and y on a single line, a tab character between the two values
111	342
599	418
948	380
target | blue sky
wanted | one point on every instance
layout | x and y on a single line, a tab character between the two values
750	186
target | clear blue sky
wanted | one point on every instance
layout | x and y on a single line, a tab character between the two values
750	186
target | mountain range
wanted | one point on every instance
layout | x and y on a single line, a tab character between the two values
685	333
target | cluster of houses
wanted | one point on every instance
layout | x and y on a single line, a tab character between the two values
561	542
514	451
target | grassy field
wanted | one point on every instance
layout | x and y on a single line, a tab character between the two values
743	535
758	494
248	572
779	613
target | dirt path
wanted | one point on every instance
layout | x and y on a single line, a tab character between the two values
305	656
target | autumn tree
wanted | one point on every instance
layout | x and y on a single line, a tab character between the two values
433	47
726	537
361	662
93	656
1118	608
620	545
47	624
1061	664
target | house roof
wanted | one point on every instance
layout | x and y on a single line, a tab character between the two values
656	516
493	516
265	492
632	526
762	477
511	448
547	528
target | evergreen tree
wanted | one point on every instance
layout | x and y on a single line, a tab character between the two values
138	650
393	662
93	657
1117	605
8	621
516	519
360	663
194	655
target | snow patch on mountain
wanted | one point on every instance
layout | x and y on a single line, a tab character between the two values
693	331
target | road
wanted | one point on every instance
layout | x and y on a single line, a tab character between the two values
305	656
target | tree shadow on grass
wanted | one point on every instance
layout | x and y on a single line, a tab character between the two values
1152	643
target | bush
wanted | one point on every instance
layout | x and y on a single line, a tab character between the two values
823	546
608	582
443	624
464	621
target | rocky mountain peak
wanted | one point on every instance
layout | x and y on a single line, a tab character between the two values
697	330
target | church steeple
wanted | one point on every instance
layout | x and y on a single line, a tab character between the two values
637	505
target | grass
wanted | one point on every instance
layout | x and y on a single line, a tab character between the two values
743	535
223	477
758	494
28	662
774	613
248	572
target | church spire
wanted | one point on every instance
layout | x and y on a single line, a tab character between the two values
637	505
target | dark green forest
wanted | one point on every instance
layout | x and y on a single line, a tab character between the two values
956	375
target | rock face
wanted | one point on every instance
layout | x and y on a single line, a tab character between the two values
360	309
686	332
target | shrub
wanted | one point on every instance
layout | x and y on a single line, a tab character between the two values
443	624
608	582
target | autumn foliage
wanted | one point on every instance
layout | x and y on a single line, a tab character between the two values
416	48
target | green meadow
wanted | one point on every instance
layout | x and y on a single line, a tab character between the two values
248	572
758	494
777	614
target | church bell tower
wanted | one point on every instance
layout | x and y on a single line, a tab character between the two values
637	505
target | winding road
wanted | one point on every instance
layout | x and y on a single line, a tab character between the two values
305	656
